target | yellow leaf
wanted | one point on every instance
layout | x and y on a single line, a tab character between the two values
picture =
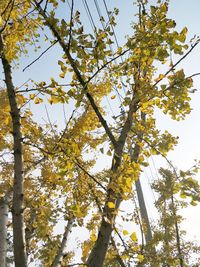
42	84
109	153
125	232
36	101
128	182
93	237
111	205
62	75
53	100
1	21
134	236
32	96
21	99
140	257
113	96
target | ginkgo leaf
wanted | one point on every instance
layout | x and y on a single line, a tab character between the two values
53	100
1	21
109	153
38	100
62	75
32	96
111	205
129	182
125	232
140	257
133	236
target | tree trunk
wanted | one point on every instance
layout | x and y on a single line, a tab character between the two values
98	252
20	257
59	257
4	209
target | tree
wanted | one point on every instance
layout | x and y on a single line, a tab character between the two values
59	157
172	248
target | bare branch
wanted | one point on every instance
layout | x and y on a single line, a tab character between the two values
54	42
61	252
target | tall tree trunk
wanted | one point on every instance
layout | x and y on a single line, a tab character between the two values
98	252
20	257
4	209
59	257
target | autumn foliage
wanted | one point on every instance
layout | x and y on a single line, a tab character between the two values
51	183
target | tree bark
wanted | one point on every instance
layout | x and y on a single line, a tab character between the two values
98	252
59	257
4	209
20	256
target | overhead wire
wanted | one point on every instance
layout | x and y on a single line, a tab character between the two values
106	7
104	28
111	48
89	14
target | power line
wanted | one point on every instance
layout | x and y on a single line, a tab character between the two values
111	24
89	14
104	28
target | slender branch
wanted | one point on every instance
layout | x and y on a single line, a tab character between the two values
91	176
46	4
7	6
178	241
61	252
77	72
6	22
177	63
118	258
193	75
107	63
54	42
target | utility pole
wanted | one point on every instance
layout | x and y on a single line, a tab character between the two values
142	205
134	154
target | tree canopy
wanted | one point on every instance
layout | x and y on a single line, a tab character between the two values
49	177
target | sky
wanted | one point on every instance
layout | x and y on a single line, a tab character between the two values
185	13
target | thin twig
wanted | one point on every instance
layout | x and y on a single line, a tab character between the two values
91	176
54	42
174	65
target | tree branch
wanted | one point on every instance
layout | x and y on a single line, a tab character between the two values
55	42
77	72
61	252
